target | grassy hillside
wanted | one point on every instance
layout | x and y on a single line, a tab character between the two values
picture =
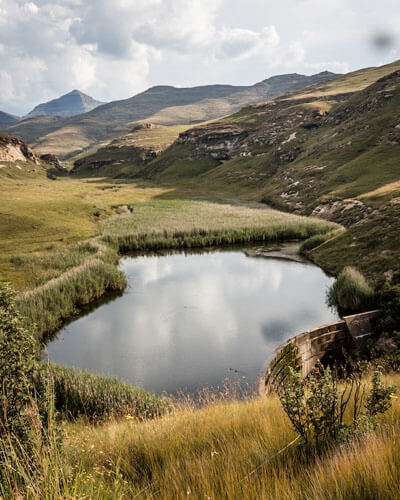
331	150
71	135
125	155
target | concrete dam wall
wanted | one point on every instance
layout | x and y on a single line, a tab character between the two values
325	343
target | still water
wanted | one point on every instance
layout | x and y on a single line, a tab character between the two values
189	321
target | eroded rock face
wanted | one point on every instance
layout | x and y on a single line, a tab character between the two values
215	140
346	212
13	149
52	160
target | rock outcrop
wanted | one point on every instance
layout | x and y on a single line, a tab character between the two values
13	149
53	162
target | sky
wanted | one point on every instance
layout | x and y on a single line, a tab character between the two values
113	49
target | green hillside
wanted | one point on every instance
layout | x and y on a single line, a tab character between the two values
334	155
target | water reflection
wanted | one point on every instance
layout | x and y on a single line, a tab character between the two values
188	321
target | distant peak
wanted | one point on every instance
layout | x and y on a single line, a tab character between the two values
74	103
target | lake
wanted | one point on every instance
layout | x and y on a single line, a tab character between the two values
187	321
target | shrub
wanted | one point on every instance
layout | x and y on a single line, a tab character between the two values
318	407
19	370
388	300
350	292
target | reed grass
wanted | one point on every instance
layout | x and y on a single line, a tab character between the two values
47	307
189	224
45	266
350	292
80	393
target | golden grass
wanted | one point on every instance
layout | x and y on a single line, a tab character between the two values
388	191
351	82
232	450
183	216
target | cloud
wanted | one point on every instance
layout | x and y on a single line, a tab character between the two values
113	50
240	43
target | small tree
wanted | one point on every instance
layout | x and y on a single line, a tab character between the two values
19	369
323	409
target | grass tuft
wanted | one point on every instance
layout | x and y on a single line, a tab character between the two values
350	292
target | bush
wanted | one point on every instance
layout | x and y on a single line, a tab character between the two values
317	407
388	300
350	293
19	369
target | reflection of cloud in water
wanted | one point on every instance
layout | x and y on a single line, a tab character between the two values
195	317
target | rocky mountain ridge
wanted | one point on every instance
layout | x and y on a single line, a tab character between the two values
162	105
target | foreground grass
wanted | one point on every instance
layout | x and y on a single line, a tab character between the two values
228	449
231	450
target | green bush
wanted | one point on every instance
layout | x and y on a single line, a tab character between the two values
350	293
319	405
19	369
388	300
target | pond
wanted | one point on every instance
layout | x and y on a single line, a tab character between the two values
188	321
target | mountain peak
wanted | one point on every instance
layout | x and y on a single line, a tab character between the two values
74	103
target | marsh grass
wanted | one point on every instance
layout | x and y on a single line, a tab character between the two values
350	292
50	305
45	266
190	224
80	393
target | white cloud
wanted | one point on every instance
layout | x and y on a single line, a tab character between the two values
113	50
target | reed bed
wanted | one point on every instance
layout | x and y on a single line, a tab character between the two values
80	393
47	307
189	224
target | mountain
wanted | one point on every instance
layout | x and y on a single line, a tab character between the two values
7	119
331	150
162	105
71	104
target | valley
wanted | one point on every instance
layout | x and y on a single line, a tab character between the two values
136	236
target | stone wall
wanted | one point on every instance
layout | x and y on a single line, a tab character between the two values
325	343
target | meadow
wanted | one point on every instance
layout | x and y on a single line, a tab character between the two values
228	449
60	241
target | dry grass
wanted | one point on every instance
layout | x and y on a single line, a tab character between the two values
230	450
182	223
